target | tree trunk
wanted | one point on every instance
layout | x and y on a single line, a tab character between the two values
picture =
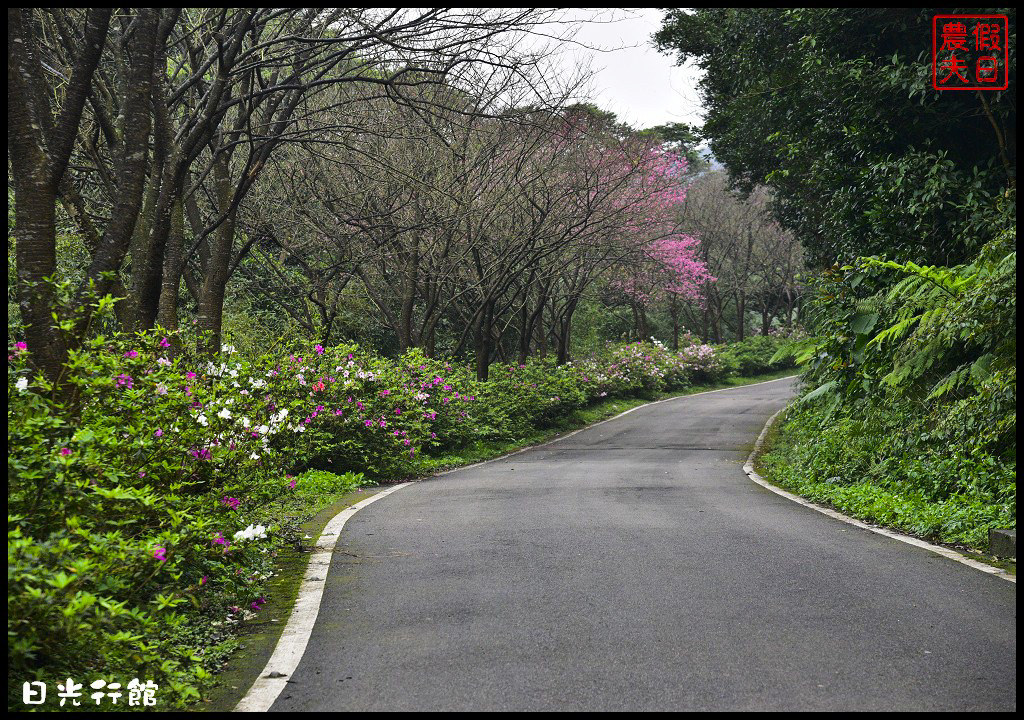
482	347
211	296
167	313
674	311
741	312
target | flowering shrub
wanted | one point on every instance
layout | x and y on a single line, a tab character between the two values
646	369
127	492
362	410
149	488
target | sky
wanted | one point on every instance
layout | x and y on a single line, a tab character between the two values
630	77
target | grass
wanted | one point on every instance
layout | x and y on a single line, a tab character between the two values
323	495
952	523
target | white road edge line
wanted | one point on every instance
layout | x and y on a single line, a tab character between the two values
292	643
748	468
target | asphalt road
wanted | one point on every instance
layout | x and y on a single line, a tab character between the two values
633	566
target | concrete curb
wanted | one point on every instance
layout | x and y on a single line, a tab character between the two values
748	468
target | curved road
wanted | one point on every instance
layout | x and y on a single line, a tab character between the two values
633	566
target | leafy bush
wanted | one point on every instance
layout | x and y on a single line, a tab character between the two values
138	488
756	354
911	376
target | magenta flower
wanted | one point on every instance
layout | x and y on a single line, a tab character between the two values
319	350
124	381
291	485
160	553
65	451
158	432
164	343
230	502
131	354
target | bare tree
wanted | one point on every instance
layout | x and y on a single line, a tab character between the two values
152	125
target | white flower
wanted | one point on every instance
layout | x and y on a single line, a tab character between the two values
22	384
202	420
252	532
225	414
245	423
227	349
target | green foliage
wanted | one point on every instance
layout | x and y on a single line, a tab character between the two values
863	468
833	108
911	371
128	487
757	354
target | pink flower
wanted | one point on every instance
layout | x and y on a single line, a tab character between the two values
319	350
131	354
291	485
164	343
158	432
65	451
160	553
124	381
